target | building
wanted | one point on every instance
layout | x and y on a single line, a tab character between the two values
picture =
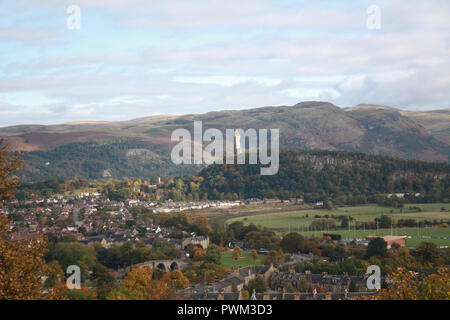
400	240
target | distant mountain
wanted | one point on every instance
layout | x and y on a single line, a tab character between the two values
308	125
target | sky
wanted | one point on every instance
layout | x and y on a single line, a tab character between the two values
136	58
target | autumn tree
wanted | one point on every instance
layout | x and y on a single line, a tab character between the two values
428	252
21	262
254	255
21	266
406	285
54	274
139	285
202	225
176	279
198	253
245	294
9	164
274	257
237	253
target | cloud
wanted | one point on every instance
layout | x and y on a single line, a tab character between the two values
133	58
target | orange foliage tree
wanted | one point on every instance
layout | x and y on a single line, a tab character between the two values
406	285
9	164
176	279
21	266
139	285
198	253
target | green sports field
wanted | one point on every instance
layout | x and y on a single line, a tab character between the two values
440	236
299	221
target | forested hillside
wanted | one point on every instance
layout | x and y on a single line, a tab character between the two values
117	158
344	177
336	176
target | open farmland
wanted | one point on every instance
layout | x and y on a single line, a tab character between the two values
300	220
285	220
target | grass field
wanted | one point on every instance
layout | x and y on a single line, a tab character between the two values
440	236
300	220
245	261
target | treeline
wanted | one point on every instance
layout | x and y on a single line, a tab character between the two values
336	178
344	177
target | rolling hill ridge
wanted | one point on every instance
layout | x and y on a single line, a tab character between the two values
371	129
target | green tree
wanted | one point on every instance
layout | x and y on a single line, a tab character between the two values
258	284
376	247
293	242
213	254
102	279
72	253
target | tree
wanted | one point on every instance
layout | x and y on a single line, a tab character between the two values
61	292
139	285
274	257
102	279
197	253
176	279
135	286
21	263
258	284
9	164
21	266
428	252
237	253
245	294
293	242
405	285
384	221
323	224
72	253
376	247
254	255
213	254
54	274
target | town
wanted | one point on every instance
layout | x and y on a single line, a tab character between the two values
173	240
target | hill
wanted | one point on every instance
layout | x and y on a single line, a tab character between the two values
308	125
343	177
